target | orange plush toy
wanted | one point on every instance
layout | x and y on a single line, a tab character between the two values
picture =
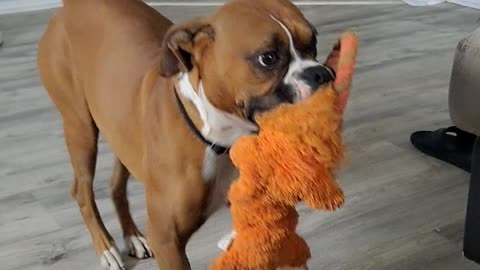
293	158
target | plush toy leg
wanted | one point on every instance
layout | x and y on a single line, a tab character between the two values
237	257
295	253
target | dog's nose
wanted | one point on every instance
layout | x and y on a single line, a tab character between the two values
317	75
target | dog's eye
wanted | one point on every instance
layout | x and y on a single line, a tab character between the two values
268	59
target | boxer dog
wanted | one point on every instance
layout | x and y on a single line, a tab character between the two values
170	99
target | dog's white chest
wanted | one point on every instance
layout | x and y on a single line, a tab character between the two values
218	172
219	127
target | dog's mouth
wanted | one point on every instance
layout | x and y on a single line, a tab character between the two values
298	88
260	105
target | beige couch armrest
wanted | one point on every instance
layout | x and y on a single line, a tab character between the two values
464	92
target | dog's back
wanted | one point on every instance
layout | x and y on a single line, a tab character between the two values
93	59
85	30
91	39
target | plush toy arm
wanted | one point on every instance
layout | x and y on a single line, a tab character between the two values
323	193
342	60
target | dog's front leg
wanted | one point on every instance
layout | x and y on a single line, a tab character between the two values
174	214
167	246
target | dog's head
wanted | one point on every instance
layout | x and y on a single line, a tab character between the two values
249	56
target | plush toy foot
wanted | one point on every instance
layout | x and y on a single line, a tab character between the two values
226	241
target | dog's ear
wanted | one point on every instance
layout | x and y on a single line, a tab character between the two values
182	45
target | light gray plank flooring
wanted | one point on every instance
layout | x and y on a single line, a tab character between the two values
404	210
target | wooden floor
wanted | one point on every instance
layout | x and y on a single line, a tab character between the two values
404	210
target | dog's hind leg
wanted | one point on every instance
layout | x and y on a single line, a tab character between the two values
134	240
81	135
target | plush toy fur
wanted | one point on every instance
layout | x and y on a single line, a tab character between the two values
293	158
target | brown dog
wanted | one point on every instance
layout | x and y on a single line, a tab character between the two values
170	100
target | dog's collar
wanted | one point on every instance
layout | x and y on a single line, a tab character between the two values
217	149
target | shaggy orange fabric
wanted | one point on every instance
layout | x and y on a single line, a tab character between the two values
293	158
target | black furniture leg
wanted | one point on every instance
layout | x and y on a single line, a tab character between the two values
471	238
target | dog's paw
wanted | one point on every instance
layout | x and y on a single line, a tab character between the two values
137	247
226	241
111	260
